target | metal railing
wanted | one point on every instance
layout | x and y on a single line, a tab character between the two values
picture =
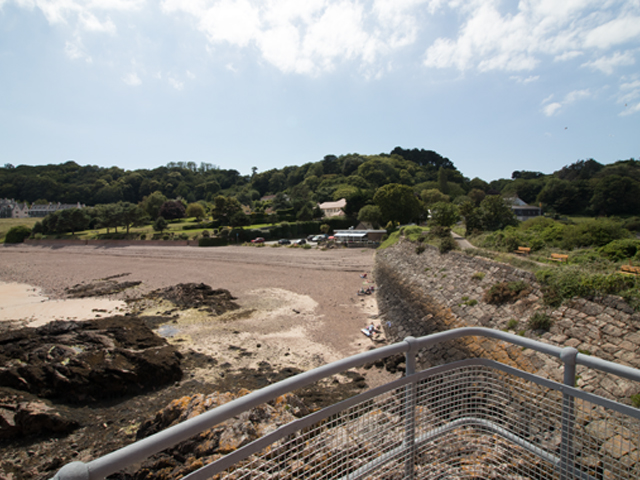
474	419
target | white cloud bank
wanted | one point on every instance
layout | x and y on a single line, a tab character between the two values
315	37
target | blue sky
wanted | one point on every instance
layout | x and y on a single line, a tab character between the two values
495	86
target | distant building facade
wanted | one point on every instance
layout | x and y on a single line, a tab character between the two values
333	209
44	210
13	209
521	210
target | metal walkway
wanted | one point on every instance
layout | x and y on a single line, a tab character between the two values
473	419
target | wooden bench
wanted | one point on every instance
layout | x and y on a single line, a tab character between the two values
559	257
523	251
630	270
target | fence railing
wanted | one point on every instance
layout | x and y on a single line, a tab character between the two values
475	418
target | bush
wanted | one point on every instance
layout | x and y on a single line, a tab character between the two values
17	234
478	276
540	321
505	292
447	244
512	324
212	242
635	400
419	249
620	249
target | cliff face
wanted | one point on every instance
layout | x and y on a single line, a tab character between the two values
420	294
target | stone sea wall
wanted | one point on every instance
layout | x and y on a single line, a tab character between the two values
420	294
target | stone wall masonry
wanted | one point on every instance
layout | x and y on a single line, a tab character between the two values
420	294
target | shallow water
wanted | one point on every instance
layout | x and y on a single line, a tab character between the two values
26	303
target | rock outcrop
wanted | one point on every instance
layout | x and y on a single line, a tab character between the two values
86	361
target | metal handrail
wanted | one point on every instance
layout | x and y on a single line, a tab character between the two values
137	452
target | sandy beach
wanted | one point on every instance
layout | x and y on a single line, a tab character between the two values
297	302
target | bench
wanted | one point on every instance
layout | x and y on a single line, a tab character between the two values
559	257
523	251
630	270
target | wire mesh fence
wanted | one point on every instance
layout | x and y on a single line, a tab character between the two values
472	419
466	422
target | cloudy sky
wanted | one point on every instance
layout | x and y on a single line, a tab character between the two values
495	86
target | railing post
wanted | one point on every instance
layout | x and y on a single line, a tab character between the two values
568	357
410	411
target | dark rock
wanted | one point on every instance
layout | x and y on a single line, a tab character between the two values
84	361
198	295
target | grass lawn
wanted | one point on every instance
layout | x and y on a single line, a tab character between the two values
7	223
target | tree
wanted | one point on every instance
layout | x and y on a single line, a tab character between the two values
433	195
370	214
397	202
130	214
495	214
280	202
152	204
443	186
305	213
616	195
73	220
160	225
471	214
444	214
195	210
172	209
224	208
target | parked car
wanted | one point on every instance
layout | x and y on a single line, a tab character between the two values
258	240
310	238
319	238
284	241
302	241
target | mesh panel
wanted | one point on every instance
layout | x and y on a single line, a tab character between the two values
471	422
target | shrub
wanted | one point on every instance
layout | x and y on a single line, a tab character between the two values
438	231
620	249
206	234
478	276
635	400
447	244
540	321
17	234
213	242
420	248
512	324
505	292
143	236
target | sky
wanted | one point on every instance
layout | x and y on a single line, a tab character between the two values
495	86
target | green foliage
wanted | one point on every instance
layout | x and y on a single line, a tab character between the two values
420	248
495	214
370	214
512	324
444	214
478	276
17	234
540	321
635	400
620	249
195	210
212	242
397	203
566	282
160	225
505	292
447	244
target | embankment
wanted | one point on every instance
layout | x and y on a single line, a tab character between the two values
419	294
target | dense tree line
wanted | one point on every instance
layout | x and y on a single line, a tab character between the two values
401	186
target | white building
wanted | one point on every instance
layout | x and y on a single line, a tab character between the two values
333	209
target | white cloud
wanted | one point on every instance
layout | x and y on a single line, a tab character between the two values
629	96
75	51
523	80
192	76
132	79
607	64
489	38
178	85
90	23
551	108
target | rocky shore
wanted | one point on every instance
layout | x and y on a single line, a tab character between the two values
197	322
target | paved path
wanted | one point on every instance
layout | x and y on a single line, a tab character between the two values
461	241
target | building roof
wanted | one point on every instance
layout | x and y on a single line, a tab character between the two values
331	205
